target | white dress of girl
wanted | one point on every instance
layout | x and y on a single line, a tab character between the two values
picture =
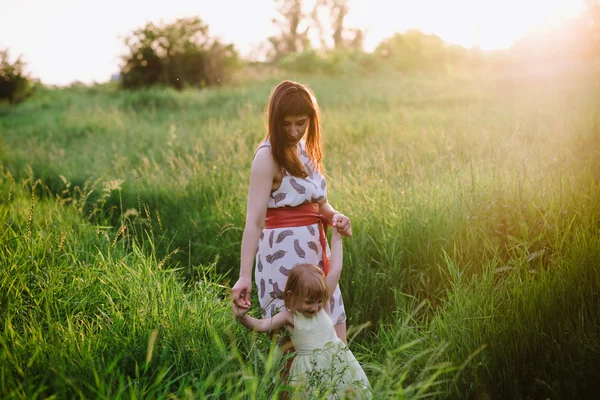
323	363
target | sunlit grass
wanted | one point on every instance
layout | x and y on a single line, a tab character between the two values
474	203
91	312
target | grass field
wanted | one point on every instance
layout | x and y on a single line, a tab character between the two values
473	270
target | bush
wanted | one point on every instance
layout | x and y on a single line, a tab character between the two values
349	62
413	50
331	62
14	84
305	62
178	55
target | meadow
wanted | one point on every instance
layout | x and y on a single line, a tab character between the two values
473	270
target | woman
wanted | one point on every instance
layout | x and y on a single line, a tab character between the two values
287	210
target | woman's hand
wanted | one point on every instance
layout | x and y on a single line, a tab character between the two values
342	224
240	292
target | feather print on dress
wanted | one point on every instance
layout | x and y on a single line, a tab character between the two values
313	246
259	266
284	271
283	234
276	293
271	239
297	187
278	197
275	256
298	249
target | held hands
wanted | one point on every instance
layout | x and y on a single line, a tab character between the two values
240	312
342	224
240	293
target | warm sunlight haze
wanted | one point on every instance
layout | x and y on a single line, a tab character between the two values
268	199
67	40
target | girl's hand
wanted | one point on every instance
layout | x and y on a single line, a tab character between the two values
239	312
342	224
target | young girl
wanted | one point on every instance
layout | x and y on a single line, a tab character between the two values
323	363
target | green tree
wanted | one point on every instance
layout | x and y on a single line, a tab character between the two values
15	85
179	54
413	50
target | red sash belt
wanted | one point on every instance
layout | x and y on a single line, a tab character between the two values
302	215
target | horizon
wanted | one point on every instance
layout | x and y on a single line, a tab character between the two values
94	55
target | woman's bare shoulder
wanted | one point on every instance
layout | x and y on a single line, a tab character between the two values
263	159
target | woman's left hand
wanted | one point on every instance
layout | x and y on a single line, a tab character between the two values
342	224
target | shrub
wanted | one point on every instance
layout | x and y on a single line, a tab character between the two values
14	83
331	62
179	55
305	62
413	50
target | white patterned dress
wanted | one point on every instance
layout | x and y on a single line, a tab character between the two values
280	249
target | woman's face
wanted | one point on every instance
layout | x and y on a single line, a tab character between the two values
295	127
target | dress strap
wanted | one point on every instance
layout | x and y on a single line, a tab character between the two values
262	145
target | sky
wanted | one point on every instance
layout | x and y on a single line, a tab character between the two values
62	41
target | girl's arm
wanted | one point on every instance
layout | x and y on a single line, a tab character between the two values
335	263
280	320
264	169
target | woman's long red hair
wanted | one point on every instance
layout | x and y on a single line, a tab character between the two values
294	99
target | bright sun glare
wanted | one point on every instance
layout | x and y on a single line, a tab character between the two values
72	40
490	24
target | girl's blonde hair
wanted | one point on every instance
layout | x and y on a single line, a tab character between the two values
306	281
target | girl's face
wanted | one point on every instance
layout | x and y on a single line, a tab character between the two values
295	127
310	307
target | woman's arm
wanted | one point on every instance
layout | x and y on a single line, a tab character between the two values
262	174
334	218
335	264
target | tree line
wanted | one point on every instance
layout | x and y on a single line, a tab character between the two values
182	53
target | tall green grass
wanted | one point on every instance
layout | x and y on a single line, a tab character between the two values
474	203
90	311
